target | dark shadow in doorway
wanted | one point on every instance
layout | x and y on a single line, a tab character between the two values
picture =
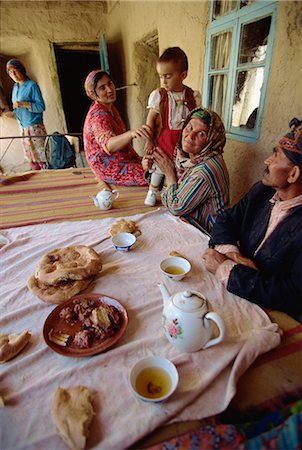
73	66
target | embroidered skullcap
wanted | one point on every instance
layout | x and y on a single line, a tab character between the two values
203	115
90	82
291	143
16	64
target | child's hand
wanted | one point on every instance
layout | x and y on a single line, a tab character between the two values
149	148
147	162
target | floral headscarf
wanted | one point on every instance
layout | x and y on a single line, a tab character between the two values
215	141
90	82
291	143
16	64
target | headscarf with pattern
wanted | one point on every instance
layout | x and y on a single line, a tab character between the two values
291	143
214	144
16	64
90	82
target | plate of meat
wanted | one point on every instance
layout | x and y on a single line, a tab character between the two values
85	325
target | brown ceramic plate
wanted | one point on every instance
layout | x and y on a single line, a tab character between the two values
54	322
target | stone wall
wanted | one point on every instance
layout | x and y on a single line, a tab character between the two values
135	31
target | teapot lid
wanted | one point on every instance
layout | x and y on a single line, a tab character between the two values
190	301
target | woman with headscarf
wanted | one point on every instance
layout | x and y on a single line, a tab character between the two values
28	105
107	144
197	180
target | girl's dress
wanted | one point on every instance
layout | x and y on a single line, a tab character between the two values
31	122
172	108
121	168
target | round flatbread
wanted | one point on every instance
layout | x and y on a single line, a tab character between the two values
57	293
123	226
68	263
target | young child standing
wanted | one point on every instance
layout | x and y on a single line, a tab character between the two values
168	107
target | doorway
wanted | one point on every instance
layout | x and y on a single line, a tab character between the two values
73	66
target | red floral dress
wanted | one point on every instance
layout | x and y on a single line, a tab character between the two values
121	168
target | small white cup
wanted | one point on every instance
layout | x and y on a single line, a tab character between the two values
123	241
153	379
175	267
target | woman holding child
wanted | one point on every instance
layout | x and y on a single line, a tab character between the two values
197	181
107	144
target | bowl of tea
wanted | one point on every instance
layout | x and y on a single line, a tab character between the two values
153	379
175	267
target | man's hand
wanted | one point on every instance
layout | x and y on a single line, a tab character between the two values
239	259
213	259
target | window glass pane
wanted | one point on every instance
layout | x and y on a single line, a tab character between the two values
253	41
247	99
217	93
223	7
221	50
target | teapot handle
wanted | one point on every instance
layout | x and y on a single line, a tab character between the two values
219	322
115	193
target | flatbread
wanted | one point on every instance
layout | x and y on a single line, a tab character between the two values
58	293
123	226
12	344
72	414
68	263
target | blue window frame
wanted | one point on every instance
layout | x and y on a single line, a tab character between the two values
237	61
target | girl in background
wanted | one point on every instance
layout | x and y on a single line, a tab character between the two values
28	108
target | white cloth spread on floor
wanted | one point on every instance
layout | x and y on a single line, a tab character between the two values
207	378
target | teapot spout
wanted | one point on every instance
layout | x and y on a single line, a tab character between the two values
164	292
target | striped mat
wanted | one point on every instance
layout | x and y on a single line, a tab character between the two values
59	195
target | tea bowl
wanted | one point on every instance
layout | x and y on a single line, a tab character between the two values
153	379
175	267
123	241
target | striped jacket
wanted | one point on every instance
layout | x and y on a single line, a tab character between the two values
202	192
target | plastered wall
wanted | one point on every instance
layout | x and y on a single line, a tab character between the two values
29	28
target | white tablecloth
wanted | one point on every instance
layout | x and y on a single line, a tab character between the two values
207	378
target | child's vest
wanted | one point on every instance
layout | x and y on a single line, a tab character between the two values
189	102
59	154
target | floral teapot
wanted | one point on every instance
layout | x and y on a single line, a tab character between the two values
104	199
186	321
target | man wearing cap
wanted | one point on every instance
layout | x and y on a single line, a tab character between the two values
256	246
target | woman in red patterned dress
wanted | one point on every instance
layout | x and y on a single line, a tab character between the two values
107	144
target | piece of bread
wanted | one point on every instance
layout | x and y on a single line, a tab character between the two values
68	263
99	316
58	293
12	344
72	414
123	226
